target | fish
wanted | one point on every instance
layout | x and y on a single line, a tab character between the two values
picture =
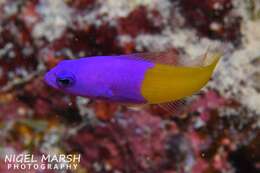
134	78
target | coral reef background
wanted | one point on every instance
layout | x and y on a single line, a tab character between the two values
219	132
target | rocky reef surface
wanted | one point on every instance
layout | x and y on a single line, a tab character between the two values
219	132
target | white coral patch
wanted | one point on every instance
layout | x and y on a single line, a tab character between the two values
56	17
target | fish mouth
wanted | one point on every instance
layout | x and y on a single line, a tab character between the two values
50	79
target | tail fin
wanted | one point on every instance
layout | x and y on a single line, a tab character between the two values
211	63
212	60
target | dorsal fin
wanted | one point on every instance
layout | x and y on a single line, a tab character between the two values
168	57
194	62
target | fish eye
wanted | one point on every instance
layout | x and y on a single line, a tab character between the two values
65	82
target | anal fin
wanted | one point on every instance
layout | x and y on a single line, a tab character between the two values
174	107
136	107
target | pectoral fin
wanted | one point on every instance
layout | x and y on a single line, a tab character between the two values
104	93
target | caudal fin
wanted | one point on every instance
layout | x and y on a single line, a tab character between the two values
212	59
211	62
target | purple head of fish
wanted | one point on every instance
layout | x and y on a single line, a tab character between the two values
111	78
62	77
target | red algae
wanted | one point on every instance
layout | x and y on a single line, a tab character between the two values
138	22
90	41
212	18
17	56
81	4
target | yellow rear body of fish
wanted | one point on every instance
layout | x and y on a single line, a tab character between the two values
167	83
